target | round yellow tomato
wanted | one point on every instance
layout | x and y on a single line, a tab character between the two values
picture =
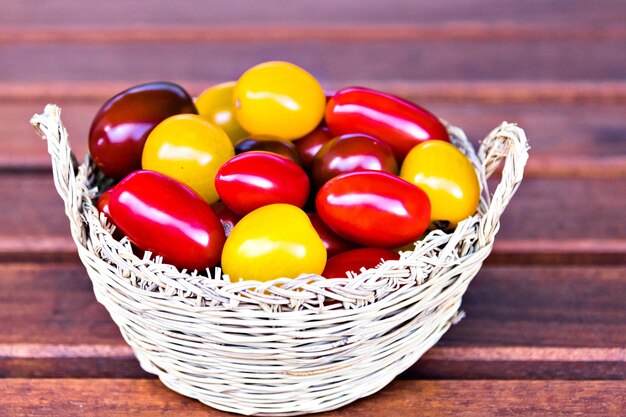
188	148
447	176
279	99
273	241
216	105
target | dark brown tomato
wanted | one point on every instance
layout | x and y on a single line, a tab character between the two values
227	217
308	146
268	144
351	153
122	125
353	260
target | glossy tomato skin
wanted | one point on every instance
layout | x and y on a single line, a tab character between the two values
353	260
164	216
215	104
309	145
273	241
333	243
254	179
227	217
189	149
449	179
268	144
374	209
103	207
351	153
398	122
278	99
122	125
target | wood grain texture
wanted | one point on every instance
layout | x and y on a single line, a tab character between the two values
119	397
548	13
522	322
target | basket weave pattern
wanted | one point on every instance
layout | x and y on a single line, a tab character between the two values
284	347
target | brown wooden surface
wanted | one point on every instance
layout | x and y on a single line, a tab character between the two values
545	332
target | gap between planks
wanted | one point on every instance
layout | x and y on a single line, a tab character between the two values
462	31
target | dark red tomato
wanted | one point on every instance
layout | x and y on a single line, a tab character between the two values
122	125
164	216
351	153
274	145
227	217
374	209
103	207
398	122
353	260
254	179
332	241
308	146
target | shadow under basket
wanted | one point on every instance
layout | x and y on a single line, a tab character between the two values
288	346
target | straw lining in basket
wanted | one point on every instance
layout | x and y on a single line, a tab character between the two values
287	346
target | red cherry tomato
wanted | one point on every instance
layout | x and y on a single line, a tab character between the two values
103	207
374	209
333	243
164	216
308	146
398	122
351	153
254	179
227	217
353	260
269	144
122	125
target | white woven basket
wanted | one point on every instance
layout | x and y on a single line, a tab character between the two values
284	347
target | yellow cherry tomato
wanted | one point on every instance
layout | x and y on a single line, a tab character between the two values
188	148
273	241
216	105
447	176
279	99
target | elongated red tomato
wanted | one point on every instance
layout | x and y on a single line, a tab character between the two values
374	209
333	243
168	218
254	179
120	128
398	122
353	260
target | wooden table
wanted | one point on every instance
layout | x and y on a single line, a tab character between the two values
545	332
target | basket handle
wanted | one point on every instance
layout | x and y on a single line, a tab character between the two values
507	142
65	169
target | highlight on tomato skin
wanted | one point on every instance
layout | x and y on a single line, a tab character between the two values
308	146
122	125
167	218
400	123
254	179
353	260
215	104
374	209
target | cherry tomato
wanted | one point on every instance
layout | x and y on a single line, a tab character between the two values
333	243
351	153
398	122
122	125
353	260
227	217
449	179
374	209
309	145
216	105
188	148
254	179
103	207
164	216
268	144
271	242
279	99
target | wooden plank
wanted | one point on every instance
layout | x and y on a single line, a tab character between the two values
581	140
549	220
556	13
119	397
522	322
438	59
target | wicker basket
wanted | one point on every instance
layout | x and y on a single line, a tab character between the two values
284	347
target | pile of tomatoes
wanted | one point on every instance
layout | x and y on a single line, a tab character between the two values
269	176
